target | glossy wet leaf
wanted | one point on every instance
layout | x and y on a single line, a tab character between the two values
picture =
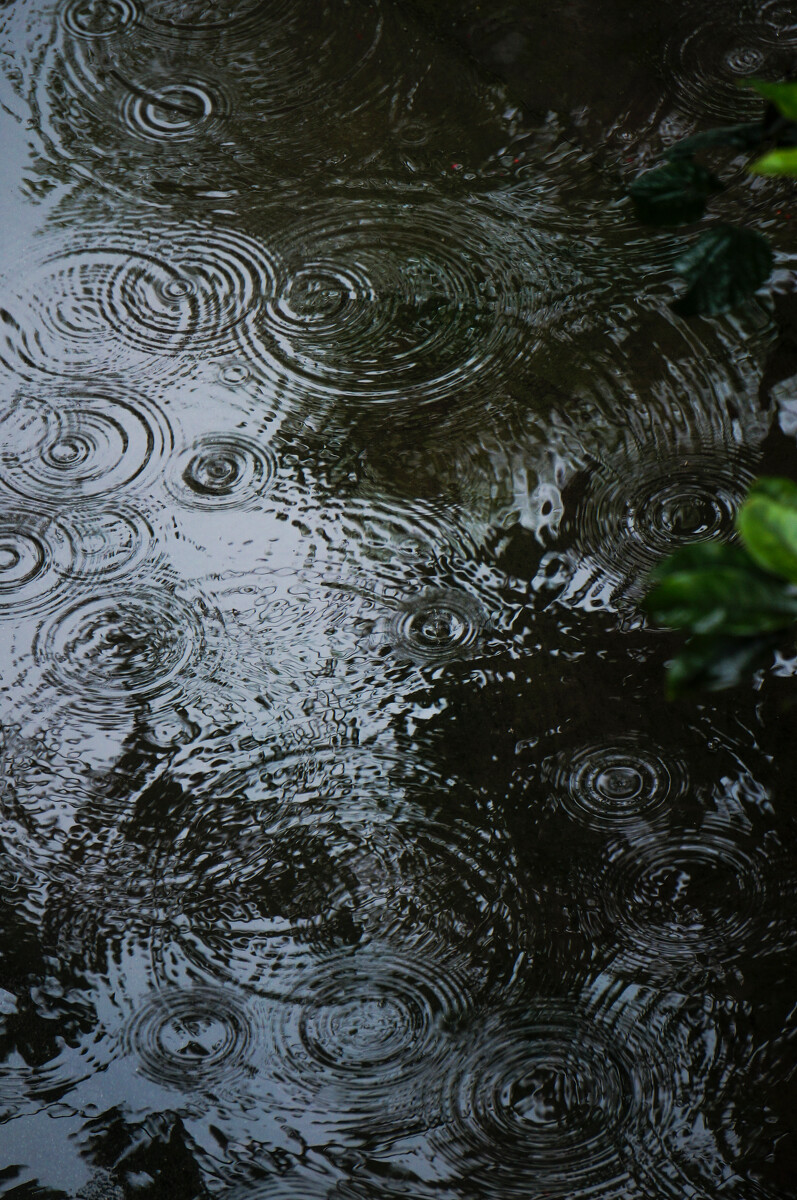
710	663
713	588
673	194
782	95
737	137
768	523
722	268
782	161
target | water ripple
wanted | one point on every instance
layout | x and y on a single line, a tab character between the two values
205	18
634	513
175	111
712	52
194	290
108	543
362	1043
98	18
617	784
309	47
222	470
549	1097
149	296
48	1050
198	1038
693	897
35	555
110	83
144	642
81	442
330	848
406	305
434	628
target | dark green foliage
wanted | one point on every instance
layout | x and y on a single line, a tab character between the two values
782	95
713	588
723	267
712	662
734	600
734	137
777	162
767	522
674	194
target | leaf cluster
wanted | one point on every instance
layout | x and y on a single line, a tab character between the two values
723	265
734	600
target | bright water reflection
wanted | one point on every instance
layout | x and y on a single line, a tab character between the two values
348	847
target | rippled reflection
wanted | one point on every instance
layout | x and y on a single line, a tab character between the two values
195	1038
82	441
692	897
347	845
707	58
616	784
381	306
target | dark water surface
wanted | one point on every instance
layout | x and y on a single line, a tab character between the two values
349	848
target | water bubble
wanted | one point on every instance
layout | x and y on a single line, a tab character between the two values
222	471
233	373
745	60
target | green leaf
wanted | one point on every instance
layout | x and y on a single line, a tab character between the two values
767	522
713	663
723	267
776	162
673	194
740	137
782	95
709	587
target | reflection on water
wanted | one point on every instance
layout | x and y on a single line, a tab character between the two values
347	847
